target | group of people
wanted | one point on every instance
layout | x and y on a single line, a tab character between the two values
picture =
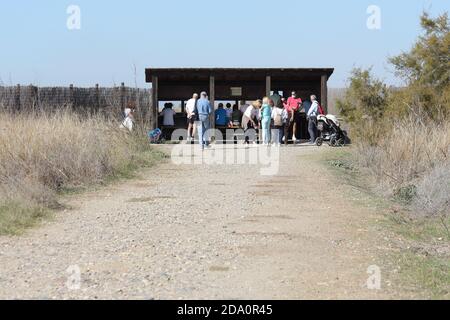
290	112
274	116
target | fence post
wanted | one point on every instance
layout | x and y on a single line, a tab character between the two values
122	95
33	97
16	106
71	96
97	96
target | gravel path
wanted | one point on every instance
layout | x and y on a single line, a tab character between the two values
199	231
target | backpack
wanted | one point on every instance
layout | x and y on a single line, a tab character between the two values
320	110
278	120
154	135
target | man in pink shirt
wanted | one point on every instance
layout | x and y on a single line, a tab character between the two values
292	107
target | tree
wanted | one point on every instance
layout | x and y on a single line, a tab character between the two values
364	104
426	67
366	97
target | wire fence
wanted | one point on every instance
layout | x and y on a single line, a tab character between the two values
108	101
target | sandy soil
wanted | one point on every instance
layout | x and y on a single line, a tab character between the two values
203	231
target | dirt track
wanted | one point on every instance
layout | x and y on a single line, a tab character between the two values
202	232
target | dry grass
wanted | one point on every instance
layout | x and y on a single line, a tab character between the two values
42	155
406	152
412	163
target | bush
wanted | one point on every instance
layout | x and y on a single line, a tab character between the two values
364	103
412	147
433	192
403	134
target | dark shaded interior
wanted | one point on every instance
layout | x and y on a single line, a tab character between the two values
178	85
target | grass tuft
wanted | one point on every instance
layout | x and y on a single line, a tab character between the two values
16	217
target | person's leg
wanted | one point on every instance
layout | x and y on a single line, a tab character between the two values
274	135
315	128
244	125
246	136
194	129
260	133
294	130
281	132
311	130
200	133
297	125
263	134
268	131
263	131
206	132
189	136
248	126
286	133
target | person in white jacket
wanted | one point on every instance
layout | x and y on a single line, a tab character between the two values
191	116
312	119
128	120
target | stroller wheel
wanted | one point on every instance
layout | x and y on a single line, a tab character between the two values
333	142
319	142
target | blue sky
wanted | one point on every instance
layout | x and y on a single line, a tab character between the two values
38	48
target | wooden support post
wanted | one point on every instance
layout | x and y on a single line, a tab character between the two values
212	98
324	92
154	111
268	85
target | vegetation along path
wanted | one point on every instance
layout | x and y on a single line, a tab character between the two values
201	231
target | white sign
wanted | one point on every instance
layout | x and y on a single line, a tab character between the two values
236	91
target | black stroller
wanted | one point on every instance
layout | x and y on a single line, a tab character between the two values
329	130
